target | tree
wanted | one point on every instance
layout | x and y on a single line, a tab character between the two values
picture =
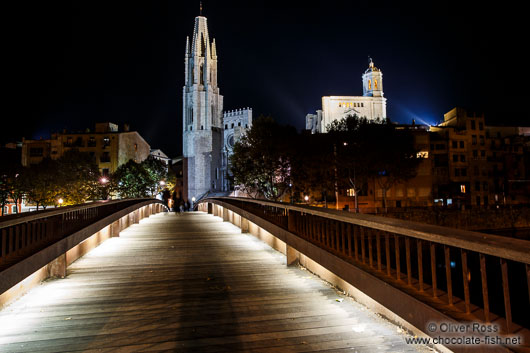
78	178
311	166
261	160
373	149
399	162
157	171
11	186
41	180
132	180
355	151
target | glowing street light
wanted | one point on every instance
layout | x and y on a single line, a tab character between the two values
60	201
306	198
162	183
103	180
193	199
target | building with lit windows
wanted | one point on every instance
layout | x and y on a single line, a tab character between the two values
109	146
371	105
478	165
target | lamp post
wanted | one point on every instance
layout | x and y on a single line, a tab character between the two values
104	192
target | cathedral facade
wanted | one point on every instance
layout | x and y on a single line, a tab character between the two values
372	104
208	134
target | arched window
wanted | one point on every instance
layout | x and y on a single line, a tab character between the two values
202	75
369	84
375	84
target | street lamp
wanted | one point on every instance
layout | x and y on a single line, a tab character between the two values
104	192
60	201
306	198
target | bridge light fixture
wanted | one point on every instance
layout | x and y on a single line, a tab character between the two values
103	180
60	201
306	198
193	199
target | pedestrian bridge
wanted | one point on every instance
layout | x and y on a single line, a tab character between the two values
212	281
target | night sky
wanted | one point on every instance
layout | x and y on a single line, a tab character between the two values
71	64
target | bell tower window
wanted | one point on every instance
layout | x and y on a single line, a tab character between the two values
369	84
375	84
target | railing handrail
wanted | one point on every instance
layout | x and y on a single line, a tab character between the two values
31	216
489	244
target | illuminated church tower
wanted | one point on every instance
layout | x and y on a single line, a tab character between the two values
202	115
372	81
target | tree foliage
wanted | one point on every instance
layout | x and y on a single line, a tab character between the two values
261	162
373	149
272	159
74	178
136	180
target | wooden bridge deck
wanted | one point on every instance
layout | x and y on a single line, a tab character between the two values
191	283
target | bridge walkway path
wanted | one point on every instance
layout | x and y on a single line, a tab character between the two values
191	283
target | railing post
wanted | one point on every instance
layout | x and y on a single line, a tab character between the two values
485	296
447	253
506	292
225	214
57	268
244	225
293	256
291	222
115	229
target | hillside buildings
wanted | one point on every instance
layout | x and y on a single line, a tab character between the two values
479	165
466	164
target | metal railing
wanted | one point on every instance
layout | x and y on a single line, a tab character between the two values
25	234
468	275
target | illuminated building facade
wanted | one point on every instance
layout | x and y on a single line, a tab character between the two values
478	165
371	105
206	135
109	146
236	123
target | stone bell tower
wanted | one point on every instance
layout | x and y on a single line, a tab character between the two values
202	114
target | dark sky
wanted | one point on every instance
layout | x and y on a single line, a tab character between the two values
71	64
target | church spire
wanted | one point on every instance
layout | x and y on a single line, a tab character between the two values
214	49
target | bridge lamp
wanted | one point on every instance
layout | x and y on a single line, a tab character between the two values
60	201
103	180
162	183
193	199
306	198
